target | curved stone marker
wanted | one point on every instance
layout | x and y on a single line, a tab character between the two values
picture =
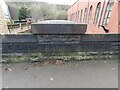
58	27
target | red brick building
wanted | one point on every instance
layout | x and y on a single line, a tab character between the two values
95	13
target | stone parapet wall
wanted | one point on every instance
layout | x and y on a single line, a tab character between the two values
59	43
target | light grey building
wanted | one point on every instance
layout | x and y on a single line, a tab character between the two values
5	9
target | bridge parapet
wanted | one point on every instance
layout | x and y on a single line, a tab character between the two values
55	43
65	47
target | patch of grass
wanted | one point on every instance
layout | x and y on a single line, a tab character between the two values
65	56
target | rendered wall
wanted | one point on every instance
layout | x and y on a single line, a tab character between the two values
119	17
92	28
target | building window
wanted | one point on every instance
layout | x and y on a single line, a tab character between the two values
78	16
90	15
101	14
74	17
85	16
97	13
81	16
70	17
0	22
108	12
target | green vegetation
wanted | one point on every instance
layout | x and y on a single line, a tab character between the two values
23	13
64	56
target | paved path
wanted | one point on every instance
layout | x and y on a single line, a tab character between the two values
85	74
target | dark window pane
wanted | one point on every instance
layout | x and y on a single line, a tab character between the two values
97	13
108	12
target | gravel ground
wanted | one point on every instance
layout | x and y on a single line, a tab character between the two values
84	74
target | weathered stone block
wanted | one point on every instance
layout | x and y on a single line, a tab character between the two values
58	27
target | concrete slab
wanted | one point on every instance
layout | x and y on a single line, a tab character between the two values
58	27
